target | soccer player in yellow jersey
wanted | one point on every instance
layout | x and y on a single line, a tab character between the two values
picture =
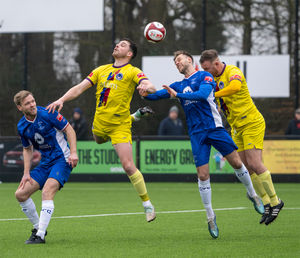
247	127
115	84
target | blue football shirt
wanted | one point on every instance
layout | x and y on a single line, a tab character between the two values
196	95
45	134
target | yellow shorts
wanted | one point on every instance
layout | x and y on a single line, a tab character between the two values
118	133
249	136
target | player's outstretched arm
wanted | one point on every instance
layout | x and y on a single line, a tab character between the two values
171	91
160	94
201	94
27	156
71	136
233	87
145	88
72	93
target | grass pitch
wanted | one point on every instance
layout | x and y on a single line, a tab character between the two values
117	225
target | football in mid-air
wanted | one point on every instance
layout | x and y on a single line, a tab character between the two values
155	32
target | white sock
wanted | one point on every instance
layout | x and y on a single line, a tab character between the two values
28	207
205	193
45	216
243	175
147	203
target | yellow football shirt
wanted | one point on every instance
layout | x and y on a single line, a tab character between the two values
115	88
238	107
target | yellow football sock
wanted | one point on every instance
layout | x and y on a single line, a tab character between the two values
269	187
259	189
138	182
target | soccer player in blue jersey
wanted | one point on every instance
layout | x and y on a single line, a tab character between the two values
46	133
196	94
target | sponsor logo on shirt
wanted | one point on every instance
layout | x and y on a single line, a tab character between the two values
111	76
208	78
235	77
59	117
188	102
139	75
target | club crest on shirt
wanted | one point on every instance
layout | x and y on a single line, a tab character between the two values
119	76
187	89
188	102
41	125
221	85
112	75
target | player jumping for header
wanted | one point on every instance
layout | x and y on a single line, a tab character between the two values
115	84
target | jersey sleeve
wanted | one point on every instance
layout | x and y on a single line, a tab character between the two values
138	75
25	142
235	74
57	120
207	84
233	87
161	94
203	93
93	76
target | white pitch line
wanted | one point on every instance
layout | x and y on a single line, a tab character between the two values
125	214
139	213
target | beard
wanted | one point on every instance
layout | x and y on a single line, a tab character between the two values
31	112
183	70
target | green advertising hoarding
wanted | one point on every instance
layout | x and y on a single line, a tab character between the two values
176	157
99	158
156	156
166	157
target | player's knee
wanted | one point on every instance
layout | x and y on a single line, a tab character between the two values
254	167
234	160
20	196
203	177
236	164
128	166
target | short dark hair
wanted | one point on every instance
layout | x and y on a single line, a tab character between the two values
132	46
209	55
182	52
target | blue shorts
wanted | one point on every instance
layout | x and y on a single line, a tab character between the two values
202	142
59	170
